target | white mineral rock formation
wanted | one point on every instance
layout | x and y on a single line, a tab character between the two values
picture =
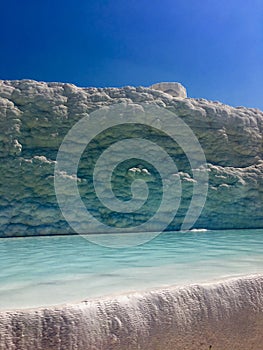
174	89
36	116
219	316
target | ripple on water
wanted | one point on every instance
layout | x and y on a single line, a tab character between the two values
41	271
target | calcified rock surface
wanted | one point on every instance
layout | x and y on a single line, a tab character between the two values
35	117
220	316
173	89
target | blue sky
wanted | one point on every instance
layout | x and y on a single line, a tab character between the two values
214	48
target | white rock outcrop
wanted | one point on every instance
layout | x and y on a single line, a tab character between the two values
36	116
219	316
174	89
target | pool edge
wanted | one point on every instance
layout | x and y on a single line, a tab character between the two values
219	316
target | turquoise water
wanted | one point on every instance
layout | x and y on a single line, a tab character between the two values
43	271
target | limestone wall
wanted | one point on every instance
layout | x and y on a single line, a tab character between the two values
36	116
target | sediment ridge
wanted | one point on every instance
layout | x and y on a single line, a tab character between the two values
218	316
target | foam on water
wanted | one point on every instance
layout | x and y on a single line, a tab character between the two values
53	270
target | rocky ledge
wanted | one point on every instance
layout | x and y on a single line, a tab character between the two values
223	315
36	116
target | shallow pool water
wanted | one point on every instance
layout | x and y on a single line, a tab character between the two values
42	271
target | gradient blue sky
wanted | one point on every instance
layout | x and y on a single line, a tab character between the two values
213	47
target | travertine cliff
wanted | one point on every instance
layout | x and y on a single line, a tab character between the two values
36	116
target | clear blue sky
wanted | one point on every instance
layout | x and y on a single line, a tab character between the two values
213	47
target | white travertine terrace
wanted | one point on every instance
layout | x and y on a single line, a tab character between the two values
36	116
227	315
34	119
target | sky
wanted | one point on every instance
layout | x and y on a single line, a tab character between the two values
213	47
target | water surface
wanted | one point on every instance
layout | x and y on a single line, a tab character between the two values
42	271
